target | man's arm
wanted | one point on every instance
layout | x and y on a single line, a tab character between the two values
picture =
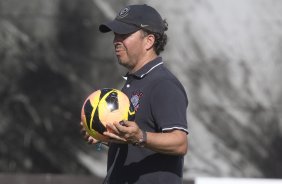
173	142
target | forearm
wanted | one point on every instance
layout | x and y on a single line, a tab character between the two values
174	142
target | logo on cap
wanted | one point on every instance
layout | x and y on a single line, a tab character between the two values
144	25
124	12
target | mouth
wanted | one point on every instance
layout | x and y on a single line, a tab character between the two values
118	52
118	49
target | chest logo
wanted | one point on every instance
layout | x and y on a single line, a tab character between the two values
135	99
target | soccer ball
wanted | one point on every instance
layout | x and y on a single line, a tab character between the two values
105	106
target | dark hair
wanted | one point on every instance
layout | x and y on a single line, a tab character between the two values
160	38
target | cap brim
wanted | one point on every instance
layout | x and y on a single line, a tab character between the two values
118	27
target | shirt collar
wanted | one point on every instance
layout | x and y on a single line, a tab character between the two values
141	73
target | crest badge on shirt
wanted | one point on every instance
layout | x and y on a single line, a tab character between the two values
135	99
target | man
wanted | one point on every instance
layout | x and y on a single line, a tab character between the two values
151	149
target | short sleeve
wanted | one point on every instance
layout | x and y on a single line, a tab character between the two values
169	105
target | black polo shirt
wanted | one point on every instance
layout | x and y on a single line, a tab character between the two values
160	102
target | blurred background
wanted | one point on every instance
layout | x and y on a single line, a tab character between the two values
227	54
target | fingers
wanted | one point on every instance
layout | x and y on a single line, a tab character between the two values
123	131
114	133
123	123
128	127
83	131
118	132
114	137
112	128
91	140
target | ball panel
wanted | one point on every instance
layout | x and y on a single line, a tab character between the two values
92	132
113	106
88	111
112	100
97	124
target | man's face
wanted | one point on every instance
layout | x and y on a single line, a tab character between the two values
129	48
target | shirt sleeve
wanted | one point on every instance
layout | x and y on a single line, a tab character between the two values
169	105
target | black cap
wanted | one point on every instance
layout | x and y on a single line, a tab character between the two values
135	17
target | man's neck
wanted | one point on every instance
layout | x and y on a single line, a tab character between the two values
142	62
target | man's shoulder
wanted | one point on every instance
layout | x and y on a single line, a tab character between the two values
163	72
164	75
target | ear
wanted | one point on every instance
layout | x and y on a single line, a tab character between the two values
150	40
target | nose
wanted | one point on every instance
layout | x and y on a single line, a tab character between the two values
117	38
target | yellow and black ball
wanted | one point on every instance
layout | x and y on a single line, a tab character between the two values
105	106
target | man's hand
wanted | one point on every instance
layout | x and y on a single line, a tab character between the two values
124	132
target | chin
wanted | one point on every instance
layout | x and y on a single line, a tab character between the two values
125	64
121	61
